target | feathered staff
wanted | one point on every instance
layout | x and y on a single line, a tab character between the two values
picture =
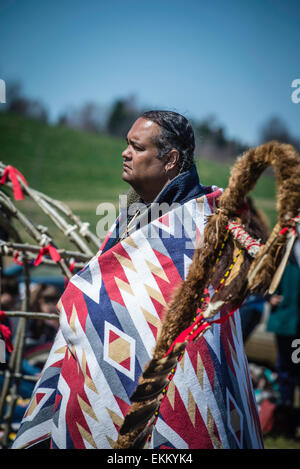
234	259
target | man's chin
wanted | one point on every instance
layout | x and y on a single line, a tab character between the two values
125	176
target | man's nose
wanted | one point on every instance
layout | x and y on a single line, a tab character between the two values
126	153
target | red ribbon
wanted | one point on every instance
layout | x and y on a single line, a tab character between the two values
7	334
5	331
71	268
185	335
16	258
2	315
284	230
13	173
51	250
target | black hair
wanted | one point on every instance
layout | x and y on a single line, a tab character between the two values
176	132
9	284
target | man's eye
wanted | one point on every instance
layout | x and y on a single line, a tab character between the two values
138	148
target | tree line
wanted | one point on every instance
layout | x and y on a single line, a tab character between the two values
115	120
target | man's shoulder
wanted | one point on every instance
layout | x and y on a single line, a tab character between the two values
210	193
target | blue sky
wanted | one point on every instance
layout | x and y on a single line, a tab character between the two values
232	59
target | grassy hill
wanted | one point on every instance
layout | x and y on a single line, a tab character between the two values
85	169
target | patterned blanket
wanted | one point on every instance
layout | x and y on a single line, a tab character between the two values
110	315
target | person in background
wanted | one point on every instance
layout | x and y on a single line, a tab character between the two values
10	301
10	296
44	298
284	322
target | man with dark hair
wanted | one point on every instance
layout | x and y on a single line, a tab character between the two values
162	144
175	132
159	165
112	311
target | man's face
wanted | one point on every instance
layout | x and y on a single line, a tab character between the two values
142	169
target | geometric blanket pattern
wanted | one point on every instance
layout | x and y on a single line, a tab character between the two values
110	316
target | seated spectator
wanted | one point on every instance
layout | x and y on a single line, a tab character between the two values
285	324
43	299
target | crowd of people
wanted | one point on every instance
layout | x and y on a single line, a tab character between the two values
40	333
276	394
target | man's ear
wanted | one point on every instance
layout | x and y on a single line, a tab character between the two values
172	160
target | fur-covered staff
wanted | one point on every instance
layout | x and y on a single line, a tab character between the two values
218	254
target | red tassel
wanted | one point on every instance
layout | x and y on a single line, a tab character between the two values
16	258
72	267
13	173
284	230
7	335
185	335
54	254
51	250
2	315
